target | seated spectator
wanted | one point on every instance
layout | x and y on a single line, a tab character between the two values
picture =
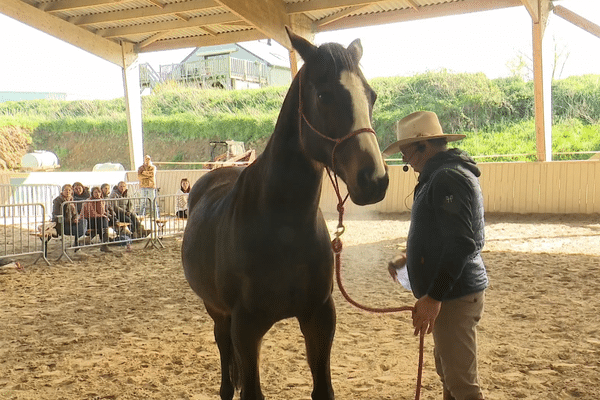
72	223
124	210
110	209
94	210
182	198
80	193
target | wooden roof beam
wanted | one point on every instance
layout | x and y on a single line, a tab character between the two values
69	5
323	5
411	3
62	30
222	38
268	16
424	12
577	20
150	11
152	39
156	3
211	32
338	15
533	9
218	19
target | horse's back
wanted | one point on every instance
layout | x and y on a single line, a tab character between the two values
214	184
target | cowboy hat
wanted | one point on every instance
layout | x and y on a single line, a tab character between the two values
417	127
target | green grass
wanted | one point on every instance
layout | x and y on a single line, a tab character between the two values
496	115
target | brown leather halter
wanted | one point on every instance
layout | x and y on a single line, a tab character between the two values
336	243
336	142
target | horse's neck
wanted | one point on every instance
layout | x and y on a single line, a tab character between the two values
291	178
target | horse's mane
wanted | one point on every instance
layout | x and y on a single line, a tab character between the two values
336	58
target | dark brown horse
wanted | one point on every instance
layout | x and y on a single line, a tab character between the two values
256	248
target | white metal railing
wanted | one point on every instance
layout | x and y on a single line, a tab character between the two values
25	195
23	233
122	228
211	70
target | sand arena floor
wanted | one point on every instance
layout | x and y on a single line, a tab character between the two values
126	325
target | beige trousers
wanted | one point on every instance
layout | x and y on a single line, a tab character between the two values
455	345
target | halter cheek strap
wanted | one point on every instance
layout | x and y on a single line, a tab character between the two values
337	142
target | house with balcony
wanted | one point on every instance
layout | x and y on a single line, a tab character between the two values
230	66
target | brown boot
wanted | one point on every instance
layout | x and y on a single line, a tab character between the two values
447	395
105	249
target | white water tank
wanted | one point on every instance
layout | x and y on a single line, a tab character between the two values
39	160
108	167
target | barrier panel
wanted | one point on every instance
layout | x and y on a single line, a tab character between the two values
23	230
170	222
123	227
26	227
25	195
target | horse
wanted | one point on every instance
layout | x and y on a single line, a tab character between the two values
256	248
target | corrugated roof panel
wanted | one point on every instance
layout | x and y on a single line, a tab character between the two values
138	21
382	6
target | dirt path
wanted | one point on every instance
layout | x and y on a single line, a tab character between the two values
127	326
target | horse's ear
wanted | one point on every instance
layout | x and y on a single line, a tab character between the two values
301	45
356	50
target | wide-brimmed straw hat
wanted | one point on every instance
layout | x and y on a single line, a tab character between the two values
417	127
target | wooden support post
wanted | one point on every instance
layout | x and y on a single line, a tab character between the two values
133	104
542	83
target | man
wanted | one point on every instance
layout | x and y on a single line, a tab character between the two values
147	178
443	251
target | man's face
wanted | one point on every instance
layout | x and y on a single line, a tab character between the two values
105	190
413	157
147	160
408	152
122	186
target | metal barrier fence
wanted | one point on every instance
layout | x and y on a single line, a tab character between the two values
172	221
124	227
23	230
26	228
26	195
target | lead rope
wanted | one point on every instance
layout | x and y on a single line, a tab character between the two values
336	245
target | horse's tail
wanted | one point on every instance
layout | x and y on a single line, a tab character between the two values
235	371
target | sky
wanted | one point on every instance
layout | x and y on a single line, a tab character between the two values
33	61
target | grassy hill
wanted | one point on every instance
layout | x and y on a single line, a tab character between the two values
496	115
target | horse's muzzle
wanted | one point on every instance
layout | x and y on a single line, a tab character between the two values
370	189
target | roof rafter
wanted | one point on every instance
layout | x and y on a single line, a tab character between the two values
150	11
577	20
223	38
68	5
339	15
63	30
268	16
438	10
217	19
321	5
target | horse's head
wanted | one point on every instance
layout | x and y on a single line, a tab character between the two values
336	106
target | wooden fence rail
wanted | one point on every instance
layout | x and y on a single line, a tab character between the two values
557	187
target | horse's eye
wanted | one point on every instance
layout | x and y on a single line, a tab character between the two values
325	97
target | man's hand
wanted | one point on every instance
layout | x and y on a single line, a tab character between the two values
396	263
424	315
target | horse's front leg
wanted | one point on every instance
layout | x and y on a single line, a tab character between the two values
318	329
247	331
223	338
